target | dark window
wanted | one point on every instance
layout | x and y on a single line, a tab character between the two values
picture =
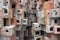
26	14
37	0
36	27
37	33
59	3
39	7
58	29
20	1
55	21
42	32
39	26
5	10
13	5
18	10
38	38
46	0
33	8
24	21
6	22
56	13
34	15
6	30
51	29
18	21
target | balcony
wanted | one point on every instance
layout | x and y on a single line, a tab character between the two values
24	21
49	29
8	30
56	29
55	13
36	26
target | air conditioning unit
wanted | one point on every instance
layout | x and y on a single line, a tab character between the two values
55	13
56	29
24	21
37	38
49	29
36	26
8	30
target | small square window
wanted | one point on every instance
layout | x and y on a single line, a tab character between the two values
13	5
5	10
58	29
38	38
51	29
18	10
42	32
46	0
36	27
37	33
18	21
55	21
6	30
6	2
